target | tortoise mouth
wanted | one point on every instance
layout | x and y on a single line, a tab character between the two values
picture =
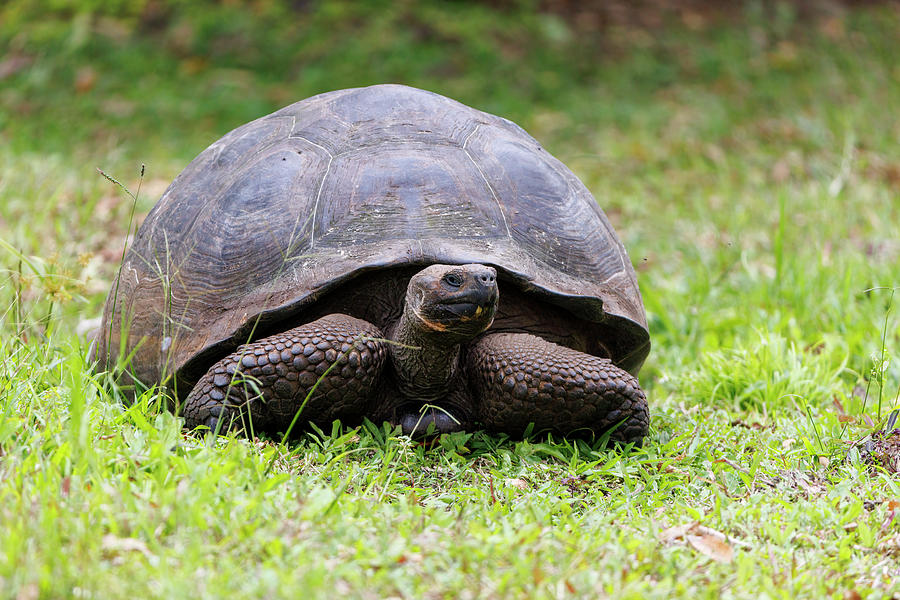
464	311
465	318
482	295
470	305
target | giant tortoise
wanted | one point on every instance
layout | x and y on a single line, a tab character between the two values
389	253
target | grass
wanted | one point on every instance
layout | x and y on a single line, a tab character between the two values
750	166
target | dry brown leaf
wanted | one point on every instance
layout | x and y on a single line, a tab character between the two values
517	483
115	545
85	79
709	542
676	532
712	546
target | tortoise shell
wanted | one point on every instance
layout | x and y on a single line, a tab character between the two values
288	207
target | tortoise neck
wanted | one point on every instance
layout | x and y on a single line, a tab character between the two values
425	362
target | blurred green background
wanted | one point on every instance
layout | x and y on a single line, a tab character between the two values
83	74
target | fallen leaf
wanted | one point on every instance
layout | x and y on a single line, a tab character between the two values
85	79
116	545
678	531
705	540
712	547
517	483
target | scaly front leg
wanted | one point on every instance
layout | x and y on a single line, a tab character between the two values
263	384
519	379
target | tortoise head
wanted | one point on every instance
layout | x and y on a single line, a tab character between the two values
456	301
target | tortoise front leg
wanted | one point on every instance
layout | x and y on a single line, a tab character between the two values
263	384
519	379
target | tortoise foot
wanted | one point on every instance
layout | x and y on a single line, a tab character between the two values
417	424
521	379
221	420
324	370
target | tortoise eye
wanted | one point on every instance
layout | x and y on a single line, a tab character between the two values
453	279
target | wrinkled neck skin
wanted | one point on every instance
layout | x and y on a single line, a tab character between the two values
425	361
